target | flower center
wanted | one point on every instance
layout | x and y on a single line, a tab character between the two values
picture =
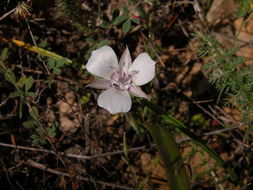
121	81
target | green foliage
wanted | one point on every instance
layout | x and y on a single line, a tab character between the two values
41	133
245	8
4	54
28	84
22	86
73	11
51	131
39	137
229	74
120	19
33	111
10	76
125	148
126	26
29	124
55	65
127	17
22	91
199	120
85	98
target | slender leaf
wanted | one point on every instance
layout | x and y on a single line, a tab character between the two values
137	21
34	136
51	131
21	81
35	141
28	84
125	146
170	154
4	53
57	71
10	76
34	112
40	132
126	26
21	104
120	19
16	94
29	124
42	141
41	51
31	94
104	25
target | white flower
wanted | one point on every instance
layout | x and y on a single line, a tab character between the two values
119	79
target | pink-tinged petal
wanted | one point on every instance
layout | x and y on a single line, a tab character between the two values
146	67
136	91
125	62
115	101
102	62
99	84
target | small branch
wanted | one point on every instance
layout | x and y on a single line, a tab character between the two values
4	101
84	157
197	8
53	171
7	14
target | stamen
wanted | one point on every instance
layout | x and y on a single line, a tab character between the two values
116	86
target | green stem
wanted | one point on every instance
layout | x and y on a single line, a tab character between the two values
171	157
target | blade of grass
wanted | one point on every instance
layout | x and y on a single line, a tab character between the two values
174	122
170	154
38	50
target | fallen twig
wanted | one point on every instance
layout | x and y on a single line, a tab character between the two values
53	171
84	157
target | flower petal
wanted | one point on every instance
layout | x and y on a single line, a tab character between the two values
136	91
102	62
146	67
125	62
115	101
99	84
